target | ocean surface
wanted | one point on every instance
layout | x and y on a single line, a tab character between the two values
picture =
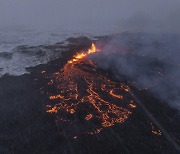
13	62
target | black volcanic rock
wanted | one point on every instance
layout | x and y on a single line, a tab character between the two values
25	127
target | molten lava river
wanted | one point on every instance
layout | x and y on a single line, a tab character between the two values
85	100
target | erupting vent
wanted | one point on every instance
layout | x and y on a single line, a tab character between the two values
85	99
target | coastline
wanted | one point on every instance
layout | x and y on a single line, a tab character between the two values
26	127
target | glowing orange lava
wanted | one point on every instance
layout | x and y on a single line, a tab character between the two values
83	92
81	55
155	131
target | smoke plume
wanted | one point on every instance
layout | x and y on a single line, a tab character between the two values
148	61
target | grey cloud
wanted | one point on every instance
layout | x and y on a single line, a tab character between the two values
121	15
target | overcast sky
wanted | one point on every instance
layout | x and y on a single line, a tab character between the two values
132	15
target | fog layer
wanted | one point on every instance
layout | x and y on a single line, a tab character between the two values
114	15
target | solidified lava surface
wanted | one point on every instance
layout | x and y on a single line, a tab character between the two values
88	102
85	100
72	106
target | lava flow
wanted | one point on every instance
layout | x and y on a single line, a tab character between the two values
85	100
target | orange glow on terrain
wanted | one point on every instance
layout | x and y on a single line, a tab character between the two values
85	93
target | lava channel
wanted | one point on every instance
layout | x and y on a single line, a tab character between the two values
86	100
